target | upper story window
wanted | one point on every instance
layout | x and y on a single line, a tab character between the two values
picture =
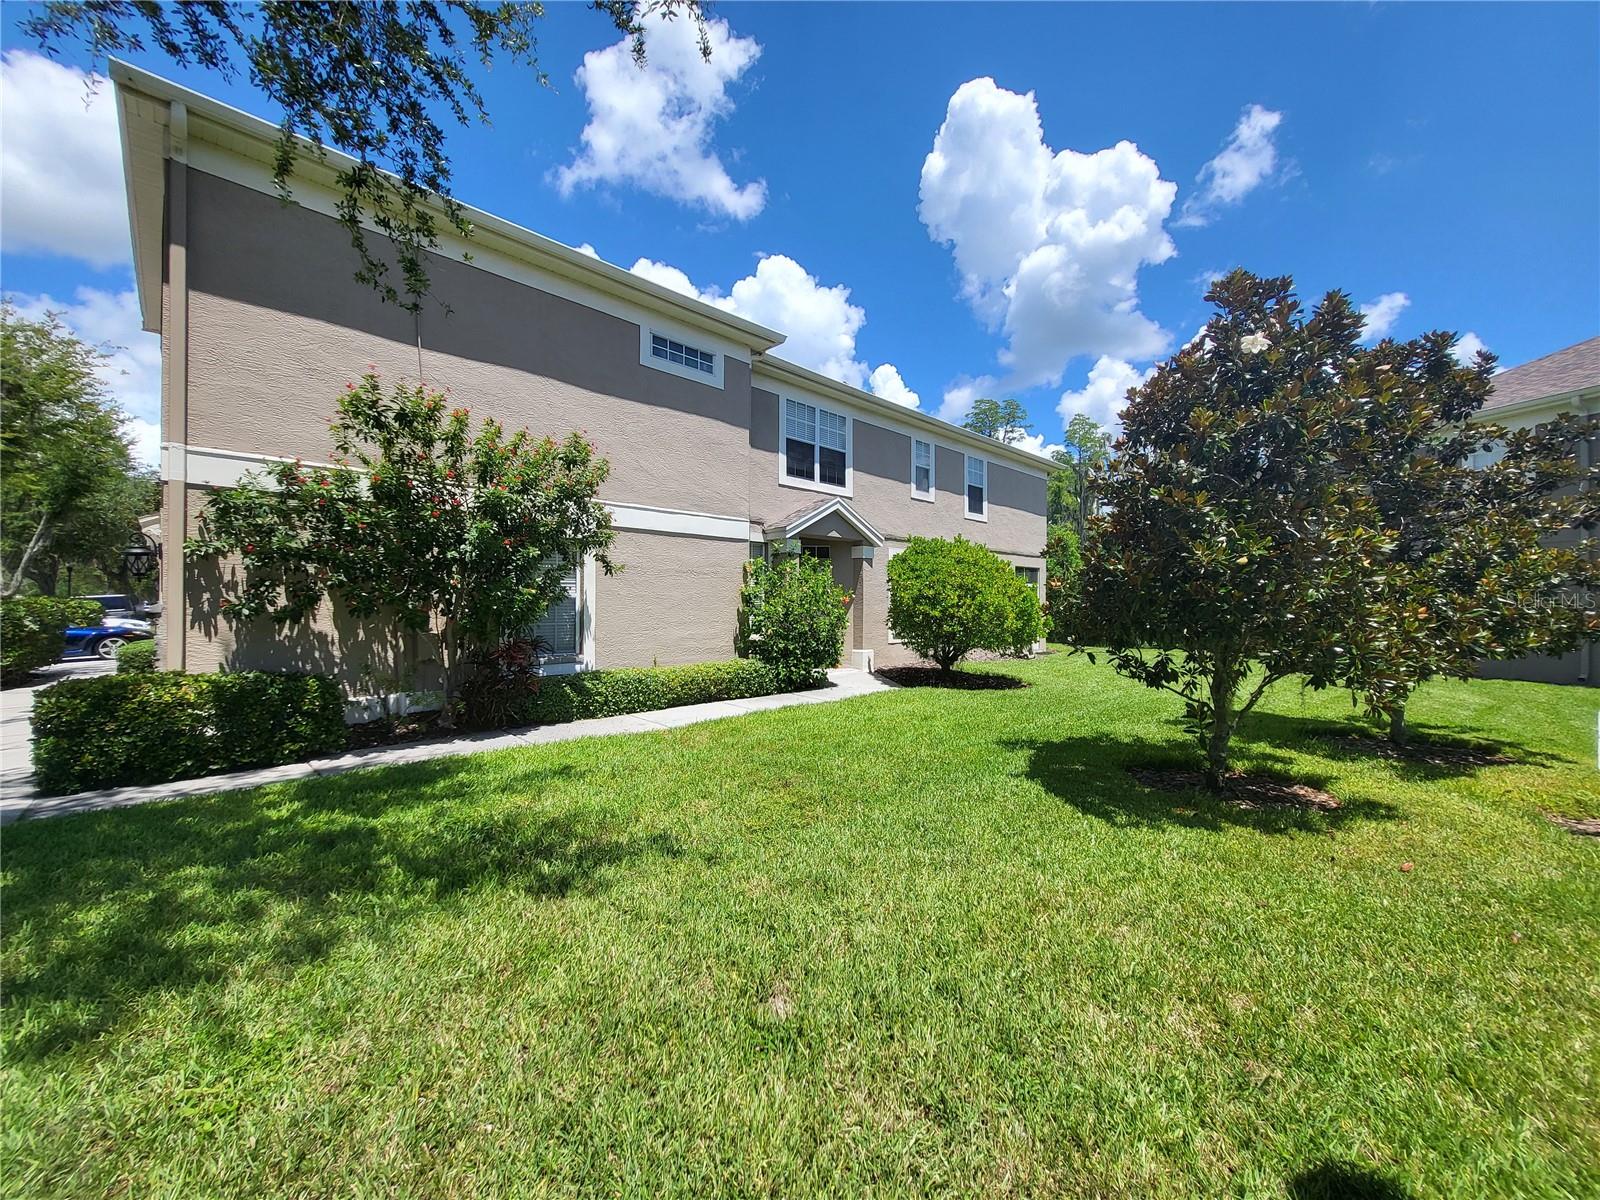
921	469
674	351
816	445
977	489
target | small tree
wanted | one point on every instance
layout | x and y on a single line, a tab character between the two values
1468	571
949	598
1003	420
467	538
792	617
1235	534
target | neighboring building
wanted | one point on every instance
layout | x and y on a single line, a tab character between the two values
718	449
1566	382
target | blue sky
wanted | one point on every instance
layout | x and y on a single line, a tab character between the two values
936	200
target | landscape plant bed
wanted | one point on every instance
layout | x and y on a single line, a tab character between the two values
1419	750
965	681
412	728
1250	791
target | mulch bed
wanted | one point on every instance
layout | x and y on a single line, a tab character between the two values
1577	826
963	681
411	728
1241	790
1434	754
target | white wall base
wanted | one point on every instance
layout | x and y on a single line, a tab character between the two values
861	660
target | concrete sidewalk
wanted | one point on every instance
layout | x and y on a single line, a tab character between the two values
18	801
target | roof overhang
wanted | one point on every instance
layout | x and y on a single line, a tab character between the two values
784	372
797	523
1580	400
158	117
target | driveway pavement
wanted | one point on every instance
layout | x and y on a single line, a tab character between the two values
16	735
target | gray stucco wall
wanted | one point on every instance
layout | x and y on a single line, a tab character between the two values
675	601
277	327
881	491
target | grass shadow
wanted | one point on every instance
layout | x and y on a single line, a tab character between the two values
1344	1181
1091	774
1355	741
105	908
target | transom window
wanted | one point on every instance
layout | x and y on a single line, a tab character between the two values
685	356
921	467
815	444
977	487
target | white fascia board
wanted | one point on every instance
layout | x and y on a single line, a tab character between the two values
254	138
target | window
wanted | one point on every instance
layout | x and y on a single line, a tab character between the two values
977	489
815	444
1031	574
558	628
685	356
921	469
819	552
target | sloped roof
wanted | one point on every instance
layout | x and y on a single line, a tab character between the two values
804	518
1570	370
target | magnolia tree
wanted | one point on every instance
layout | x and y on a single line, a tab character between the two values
466	536
1234	531
1472	567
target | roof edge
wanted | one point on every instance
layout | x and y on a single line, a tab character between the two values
804	376
544	251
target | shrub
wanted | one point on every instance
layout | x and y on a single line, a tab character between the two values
33	630
156	726
135	657
645	689
949	598
792	617
1063	566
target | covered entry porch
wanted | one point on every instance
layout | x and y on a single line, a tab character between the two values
835	533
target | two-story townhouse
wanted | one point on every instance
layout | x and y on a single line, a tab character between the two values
719	449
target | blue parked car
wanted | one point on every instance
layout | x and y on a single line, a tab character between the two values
116	629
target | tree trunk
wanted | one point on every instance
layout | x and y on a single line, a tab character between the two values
1222	722
12	584
1398	732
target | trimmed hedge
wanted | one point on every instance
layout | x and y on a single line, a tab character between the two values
135	657
625	690
33	630
157	726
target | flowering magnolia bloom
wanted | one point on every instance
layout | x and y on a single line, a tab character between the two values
1253	343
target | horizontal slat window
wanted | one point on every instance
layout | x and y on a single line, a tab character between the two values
558	628
799	440
816	445
922	467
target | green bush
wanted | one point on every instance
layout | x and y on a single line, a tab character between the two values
1063	569
135	657
33	630
792	617
156	726
949	598
645	689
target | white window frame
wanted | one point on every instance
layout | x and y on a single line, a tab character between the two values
701	342
966	477
585	660
933	461
816	485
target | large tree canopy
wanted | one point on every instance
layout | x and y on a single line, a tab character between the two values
1071	496
70	491
1003	420
373	80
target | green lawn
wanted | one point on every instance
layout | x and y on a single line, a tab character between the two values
922	942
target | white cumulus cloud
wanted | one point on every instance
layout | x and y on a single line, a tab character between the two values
651	126
1247	160
1048	244
1104	394
1382	313
60	163
960	396
1032	441
1466	349
132	372
885	381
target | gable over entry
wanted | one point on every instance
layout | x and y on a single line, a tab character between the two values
831	520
